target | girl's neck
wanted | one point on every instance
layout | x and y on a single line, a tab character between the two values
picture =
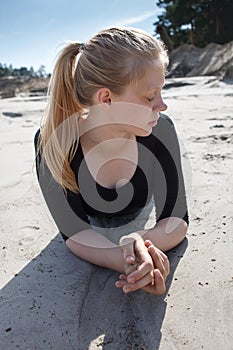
105	138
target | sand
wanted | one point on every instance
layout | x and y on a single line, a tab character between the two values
51	299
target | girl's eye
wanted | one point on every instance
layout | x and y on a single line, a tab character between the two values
150	99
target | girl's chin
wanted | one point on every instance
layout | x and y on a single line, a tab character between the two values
152	124
137	131
143	132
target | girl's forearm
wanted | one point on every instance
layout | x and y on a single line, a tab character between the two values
167	233
96	249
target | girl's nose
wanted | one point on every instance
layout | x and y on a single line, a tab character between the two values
160	106
163	107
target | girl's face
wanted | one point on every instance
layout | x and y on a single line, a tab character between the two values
139	106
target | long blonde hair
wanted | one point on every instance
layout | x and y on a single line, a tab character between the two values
113	58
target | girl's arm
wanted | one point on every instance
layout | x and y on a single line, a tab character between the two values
129	256
167	233
169	188
96	249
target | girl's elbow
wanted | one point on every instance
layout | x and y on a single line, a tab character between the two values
183	229
73	246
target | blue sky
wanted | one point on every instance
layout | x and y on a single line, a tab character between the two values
32	31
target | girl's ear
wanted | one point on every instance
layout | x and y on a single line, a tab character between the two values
103	95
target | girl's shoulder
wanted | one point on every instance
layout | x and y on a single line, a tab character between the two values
164	121
165	128
162	135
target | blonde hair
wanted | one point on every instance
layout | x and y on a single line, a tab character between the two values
113	58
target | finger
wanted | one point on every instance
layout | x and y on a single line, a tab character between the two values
158	262
148	243
140	249
161	261
155	255
142	270
166	263
159	287
127	247
123	277
163	256
132	287
122	281
120	284
130	268
159	282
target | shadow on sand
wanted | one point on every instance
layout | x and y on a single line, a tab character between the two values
58	301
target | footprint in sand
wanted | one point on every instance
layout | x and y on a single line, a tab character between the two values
12	114
213	138
227	117
217	156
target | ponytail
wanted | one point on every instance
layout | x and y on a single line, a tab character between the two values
59	130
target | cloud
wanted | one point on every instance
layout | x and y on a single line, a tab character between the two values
137	19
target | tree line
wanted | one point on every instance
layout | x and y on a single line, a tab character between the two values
6	71
196	22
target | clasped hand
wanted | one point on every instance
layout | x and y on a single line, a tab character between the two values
146	267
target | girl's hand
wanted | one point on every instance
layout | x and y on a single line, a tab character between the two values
139	265
160	272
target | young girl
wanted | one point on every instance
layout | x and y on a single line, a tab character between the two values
104	151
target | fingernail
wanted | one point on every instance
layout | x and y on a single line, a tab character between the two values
152	249
130	258
126	290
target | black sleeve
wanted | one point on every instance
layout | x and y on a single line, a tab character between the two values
66	209
169	188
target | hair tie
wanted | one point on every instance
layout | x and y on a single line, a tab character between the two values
81	47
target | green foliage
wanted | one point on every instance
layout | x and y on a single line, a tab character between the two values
197	22
6	71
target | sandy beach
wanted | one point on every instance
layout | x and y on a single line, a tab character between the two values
51	299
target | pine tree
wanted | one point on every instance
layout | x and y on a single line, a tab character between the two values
197	22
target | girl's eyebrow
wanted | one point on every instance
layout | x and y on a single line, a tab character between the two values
154	89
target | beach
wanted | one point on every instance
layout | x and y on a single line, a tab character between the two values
51	299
